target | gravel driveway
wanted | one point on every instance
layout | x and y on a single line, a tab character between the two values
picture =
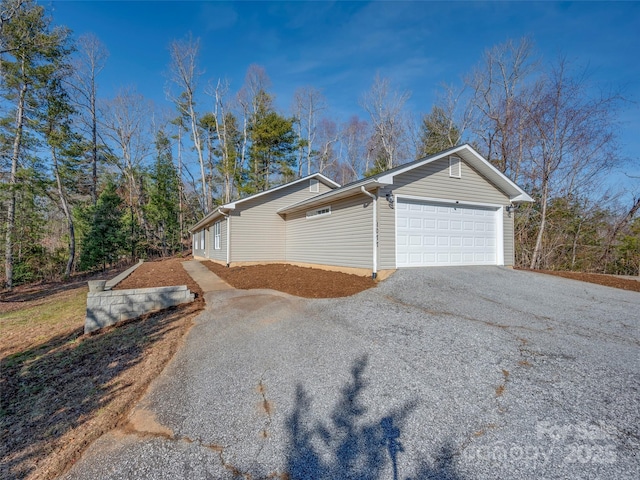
444	373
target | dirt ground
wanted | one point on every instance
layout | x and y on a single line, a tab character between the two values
299	281
161	273
600	279
34	294
62	389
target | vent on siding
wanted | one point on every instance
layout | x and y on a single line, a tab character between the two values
314	186
455	170
319	212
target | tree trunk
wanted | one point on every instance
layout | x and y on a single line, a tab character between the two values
206	201
180	187
537	251
575	246
67	214
309	135
11	208
94	146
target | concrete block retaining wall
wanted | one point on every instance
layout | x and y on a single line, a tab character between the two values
108	307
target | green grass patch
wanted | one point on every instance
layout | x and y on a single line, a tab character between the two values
62	308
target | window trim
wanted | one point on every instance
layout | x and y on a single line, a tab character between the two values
453	163
319	212
314	185
216	236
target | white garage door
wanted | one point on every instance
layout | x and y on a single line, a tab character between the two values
433	234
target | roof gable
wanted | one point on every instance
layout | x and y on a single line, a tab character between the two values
222	210
466	152
473	158
318	176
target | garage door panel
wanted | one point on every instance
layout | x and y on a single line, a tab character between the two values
441	234
415	223
415	240
415	257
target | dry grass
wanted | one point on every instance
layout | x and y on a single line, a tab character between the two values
38	321
62	389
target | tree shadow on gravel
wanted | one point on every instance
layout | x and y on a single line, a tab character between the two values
349	446
62	394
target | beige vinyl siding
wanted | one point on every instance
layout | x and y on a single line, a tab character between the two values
386	232
220	254
257	231
197	250
341	238
433	181
507	226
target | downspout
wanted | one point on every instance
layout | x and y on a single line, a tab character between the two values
226	216
375	232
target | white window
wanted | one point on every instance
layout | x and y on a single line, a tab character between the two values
455	167
319	212
201	239
216	236
314	186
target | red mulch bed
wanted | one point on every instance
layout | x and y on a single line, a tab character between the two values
299	281
598	278
161	273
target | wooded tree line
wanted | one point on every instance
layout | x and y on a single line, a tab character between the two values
88	181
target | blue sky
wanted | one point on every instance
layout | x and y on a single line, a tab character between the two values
339	46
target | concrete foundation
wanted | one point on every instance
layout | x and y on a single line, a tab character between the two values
109	307
361	272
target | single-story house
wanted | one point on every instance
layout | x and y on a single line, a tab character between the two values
451	208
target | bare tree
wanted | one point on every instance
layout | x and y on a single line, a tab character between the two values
226	130
125	124
352	149
178	123
308	103
89	61
328	135
252	98
573	141
500	87
184	74
254	90
446	124
386	109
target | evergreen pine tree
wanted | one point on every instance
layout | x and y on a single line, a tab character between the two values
105	237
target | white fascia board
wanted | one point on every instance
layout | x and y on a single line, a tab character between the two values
326	180
331	196
319	176
476	160
227	207
388	178
211	217
523	197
